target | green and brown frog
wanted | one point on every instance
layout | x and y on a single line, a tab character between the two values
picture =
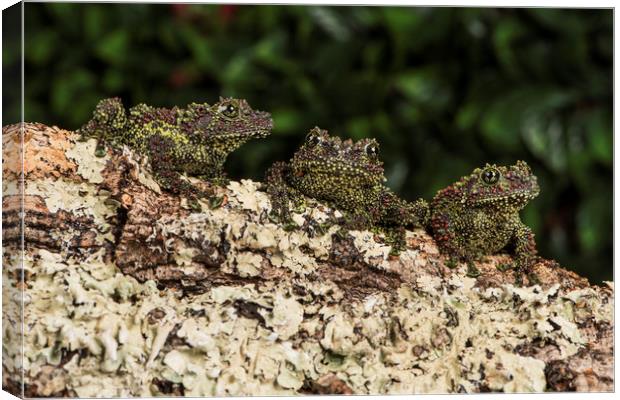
195	140
479	214
348	176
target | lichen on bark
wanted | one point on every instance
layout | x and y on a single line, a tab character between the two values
130	291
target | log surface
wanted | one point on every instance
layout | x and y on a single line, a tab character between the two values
128	291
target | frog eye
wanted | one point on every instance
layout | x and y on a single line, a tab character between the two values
372	150
312	139
230	110
490	176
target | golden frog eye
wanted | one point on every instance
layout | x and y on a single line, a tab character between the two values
230	110
490	176
372	150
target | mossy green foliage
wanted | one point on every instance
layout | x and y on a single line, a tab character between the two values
443	90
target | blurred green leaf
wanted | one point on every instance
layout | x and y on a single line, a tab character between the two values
401	19
468	115
287	121
202	50
568	21
269	50
424	86
239	69
592	222
94	21
504	37
64	12
67	90
531	217
41	46
359	127
331	22
525	112
600	138
113	80
113	47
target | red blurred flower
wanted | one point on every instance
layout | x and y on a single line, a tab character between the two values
179	78
228	11
179	10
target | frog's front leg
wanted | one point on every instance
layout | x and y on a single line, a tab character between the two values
396	237
420	213
448	238
165	162
108	124
451	240
208	166
219	179
525	251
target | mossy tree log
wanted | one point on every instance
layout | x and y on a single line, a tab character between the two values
129	291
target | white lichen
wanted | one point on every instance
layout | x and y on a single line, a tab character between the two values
88	167
270	336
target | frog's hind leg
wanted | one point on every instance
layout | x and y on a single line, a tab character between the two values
281	193
392	210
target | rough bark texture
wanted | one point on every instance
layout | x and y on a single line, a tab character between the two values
130	292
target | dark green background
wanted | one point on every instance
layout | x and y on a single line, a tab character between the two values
443	90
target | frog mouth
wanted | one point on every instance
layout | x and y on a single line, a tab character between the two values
339	169
261	133
516	197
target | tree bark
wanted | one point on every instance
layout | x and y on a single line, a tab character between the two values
129	291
